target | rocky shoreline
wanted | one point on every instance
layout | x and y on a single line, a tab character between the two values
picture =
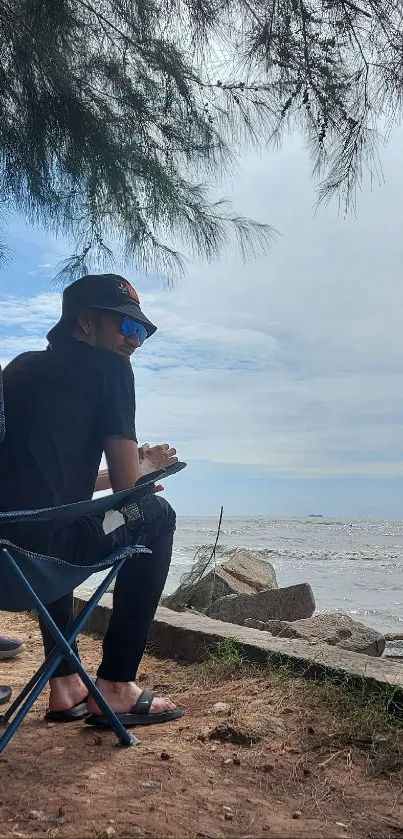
244	591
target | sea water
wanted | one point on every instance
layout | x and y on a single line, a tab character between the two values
353	565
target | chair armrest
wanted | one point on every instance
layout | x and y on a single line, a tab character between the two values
116	501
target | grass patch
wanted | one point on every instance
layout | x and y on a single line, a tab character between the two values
224	660
364	701
360	716
359	713
337	713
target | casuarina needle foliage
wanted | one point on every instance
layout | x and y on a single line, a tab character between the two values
117	117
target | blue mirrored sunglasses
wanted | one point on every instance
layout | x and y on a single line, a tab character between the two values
129	328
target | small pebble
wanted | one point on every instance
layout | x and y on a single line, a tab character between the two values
268	767
165	756
297	814
221	708
236	761
228	816
38	815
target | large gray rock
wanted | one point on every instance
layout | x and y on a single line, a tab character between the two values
245	572
338	630
250	568
290	604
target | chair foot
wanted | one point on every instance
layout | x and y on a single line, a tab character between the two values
129	740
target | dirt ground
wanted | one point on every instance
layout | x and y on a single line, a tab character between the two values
277	763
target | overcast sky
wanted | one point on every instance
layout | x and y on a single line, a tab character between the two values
279	381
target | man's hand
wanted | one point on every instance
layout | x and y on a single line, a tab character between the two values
156	457
126	463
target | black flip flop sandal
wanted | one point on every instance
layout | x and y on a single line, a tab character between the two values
5	694
139	715
78	712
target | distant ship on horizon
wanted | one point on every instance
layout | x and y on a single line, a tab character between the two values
315	516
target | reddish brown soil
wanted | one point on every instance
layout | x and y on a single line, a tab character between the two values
288	774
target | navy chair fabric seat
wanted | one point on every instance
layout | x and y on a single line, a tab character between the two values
49	576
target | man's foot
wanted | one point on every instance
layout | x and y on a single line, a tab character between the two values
10	647
66	692
122	696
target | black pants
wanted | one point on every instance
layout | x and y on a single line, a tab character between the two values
138	588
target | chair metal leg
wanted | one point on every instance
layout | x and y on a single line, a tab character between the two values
55	657
125	737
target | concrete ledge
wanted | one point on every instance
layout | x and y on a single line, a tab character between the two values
187	637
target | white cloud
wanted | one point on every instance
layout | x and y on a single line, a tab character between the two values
311	384
31	313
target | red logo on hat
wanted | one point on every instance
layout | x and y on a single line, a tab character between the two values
126	288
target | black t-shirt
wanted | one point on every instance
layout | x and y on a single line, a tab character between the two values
60	405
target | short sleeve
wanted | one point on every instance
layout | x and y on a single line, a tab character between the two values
118	402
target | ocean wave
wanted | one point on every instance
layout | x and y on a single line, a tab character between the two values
187	554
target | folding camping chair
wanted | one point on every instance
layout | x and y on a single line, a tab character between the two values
29	580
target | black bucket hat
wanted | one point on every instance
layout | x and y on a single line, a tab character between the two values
108	292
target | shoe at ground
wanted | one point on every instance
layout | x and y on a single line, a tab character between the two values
5	693
9	647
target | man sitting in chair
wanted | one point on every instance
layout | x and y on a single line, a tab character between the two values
65	407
